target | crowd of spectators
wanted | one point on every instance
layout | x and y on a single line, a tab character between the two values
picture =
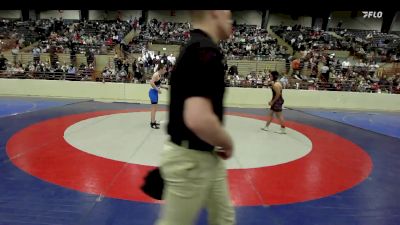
319	70
305	38
247	41
22	33
138	70
371	45
46	70
86	36
253	79
252	41
164	32
322	71
315	68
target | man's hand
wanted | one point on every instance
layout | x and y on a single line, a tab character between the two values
200	118
226	150
159	90
224	153
270	103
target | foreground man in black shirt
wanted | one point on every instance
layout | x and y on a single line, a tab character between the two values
192	161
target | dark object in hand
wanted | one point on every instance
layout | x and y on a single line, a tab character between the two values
153	184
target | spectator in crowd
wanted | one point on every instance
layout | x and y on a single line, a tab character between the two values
106	74
15	53
171	58
72	70
296	65
284	81
122	75
90	56
3	63
233	70
325	73
36	54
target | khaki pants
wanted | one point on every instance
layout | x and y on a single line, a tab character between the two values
193	180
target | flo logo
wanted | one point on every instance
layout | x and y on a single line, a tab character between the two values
372	14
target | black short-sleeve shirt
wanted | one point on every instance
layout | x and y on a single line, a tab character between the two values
199	72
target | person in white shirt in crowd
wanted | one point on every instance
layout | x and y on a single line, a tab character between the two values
361	51
72	70
293	41
325	73
249	78
36	54
106	74
231	80
345	66
169	58
172	59
284	81
15	52
248	47
373	68
121	75
361	63
259	80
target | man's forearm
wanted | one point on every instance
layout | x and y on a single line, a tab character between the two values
209	129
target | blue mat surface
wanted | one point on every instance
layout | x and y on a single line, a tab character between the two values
13	106
379	122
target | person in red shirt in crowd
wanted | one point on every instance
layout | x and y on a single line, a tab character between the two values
186	34
375	87
109	41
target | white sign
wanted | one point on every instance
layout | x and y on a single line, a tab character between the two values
372	14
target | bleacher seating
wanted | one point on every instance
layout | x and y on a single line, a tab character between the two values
246	67
302	38
250	48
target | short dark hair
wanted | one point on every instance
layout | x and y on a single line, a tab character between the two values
275	75
160	66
